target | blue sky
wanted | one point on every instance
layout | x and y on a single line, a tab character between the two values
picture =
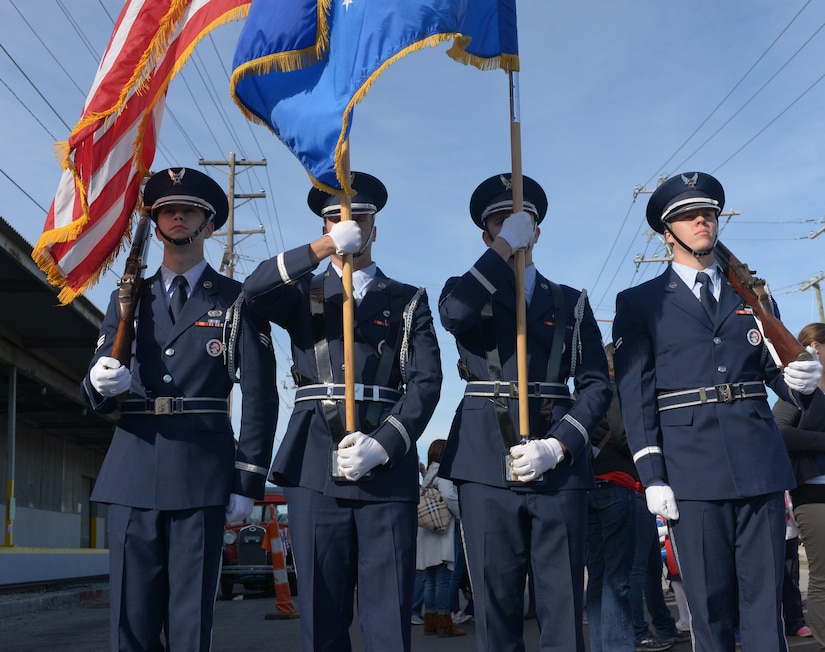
613	95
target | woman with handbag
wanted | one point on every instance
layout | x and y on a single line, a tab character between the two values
435	549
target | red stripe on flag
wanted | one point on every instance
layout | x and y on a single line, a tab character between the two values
109	151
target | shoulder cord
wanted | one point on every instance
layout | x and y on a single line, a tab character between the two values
578	313
407	317
233	323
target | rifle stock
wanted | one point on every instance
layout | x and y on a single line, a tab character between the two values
128	292
754	293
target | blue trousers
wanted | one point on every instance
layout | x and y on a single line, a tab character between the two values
338	544
733	552
507	532
163	572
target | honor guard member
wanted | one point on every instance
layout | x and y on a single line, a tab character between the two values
174	474
523	505
691	368
352	497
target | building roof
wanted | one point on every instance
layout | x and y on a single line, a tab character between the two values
50	347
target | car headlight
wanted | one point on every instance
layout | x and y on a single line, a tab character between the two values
229	537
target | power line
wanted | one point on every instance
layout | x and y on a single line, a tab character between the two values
37	90
724	99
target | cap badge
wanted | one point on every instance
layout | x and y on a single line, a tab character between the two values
177	177
507	183
691	182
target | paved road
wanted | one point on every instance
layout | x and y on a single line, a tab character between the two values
78	622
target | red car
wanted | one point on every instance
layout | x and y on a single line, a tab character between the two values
246	560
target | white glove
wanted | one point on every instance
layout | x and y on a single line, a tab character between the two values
346	236
661	501
359	454
529	460
804	376
109	377
238	508
518	230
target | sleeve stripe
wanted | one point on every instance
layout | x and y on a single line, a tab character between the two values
243	466
650	450
401	431
582	430
481	279
282	268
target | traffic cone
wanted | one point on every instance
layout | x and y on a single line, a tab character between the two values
284	608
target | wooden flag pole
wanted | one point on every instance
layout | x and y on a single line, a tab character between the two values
517	182
348	318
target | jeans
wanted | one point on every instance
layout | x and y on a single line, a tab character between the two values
458	570
437	589
610	547
646	578
418	595
791	597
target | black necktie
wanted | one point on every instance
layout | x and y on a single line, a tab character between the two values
178	297
706	294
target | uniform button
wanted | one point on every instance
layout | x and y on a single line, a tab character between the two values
170	352
167	378
717	340
721	369
386	313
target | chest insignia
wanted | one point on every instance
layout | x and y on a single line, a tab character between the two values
215	313
754	337
214	347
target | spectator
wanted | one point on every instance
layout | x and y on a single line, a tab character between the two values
792	611
804	435
435	553
611	506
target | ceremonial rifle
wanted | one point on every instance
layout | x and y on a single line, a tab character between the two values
128	292
782	343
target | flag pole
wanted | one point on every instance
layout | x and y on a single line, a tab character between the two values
517	182
348	319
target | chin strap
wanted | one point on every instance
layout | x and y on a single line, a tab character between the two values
697	254
183	241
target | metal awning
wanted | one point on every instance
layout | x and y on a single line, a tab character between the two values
49	345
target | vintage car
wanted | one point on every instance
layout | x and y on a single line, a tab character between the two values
245	559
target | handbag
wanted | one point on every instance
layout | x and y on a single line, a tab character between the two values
433	513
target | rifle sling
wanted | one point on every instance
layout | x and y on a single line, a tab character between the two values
501	403
324	364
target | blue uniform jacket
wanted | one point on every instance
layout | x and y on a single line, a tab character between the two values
184	461
279	290
475	450
664	341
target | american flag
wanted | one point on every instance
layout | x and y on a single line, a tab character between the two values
110	149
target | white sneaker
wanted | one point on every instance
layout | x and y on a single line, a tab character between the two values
417	620
459	617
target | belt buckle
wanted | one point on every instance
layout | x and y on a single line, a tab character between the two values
359	391
163	405
514	389
724	393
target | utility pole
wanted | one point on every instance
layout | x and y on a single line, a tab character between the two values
814	283
228	259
